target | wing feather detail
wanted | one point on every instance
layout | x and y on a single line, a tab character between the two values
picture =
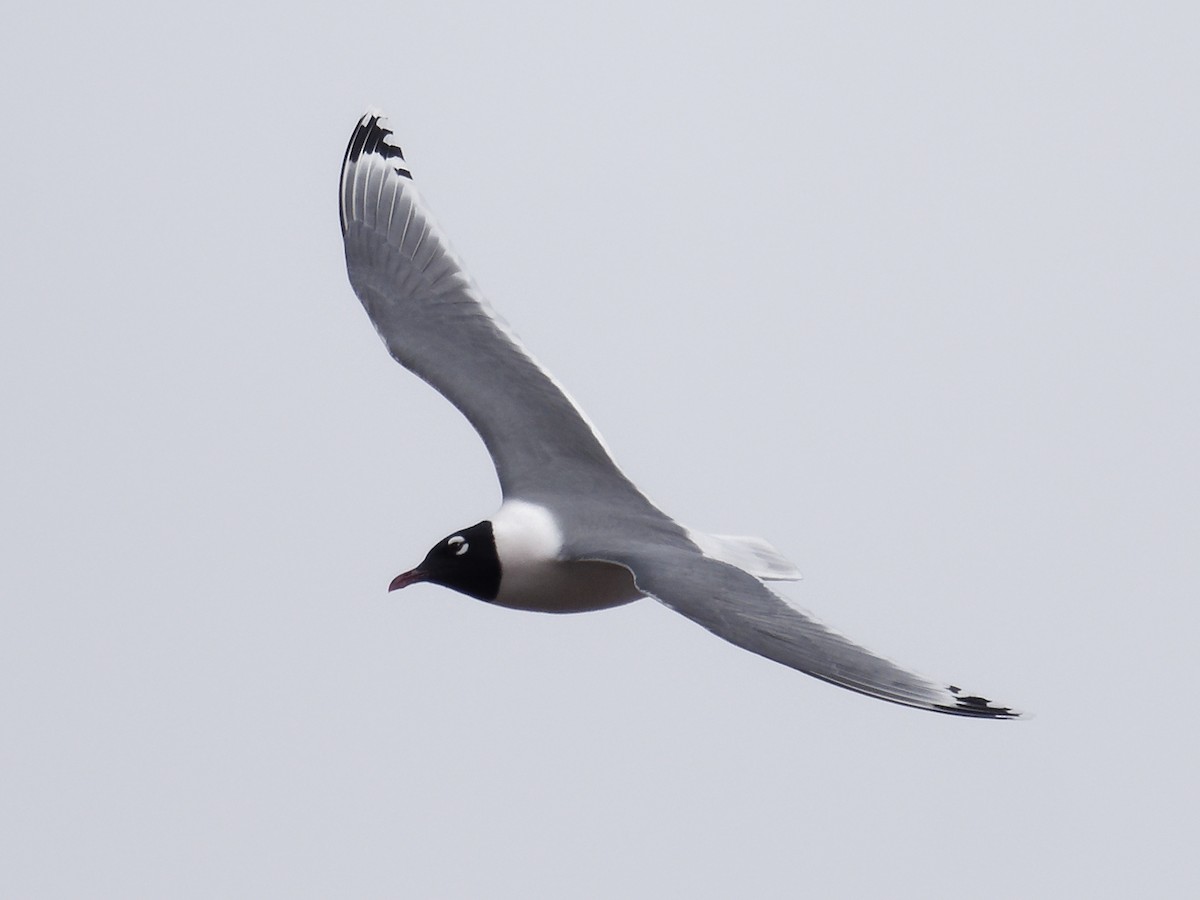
739	608
435	322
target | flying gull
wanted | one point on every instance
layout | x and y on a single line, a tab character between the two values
573	532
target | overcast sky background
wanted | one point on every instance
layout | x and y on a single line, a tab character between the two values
910	290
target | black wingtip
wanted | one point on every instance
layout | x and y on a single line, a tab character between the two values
372	137
977	707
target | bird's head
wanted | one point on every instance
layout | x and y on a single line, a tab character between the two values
466	561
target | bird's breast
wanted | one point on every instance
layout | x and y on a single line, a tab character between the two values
562	587
533	575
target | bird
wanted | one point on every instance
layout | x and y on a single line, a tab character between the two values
573	533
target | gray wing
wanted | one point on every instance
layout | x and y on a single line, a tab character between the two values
436	323
741	609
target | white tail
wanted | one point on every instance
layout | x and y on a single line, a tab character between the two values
750	554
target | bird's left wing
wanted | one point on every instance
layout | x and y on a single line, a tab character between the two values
435	322
741	609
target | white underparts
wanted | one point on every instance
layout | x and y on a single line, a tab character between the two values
525	534
533	575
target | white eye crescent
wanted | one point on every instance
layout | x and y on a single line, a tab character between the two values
461	541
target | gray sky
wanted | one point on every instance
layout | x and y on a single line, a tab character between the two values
910	291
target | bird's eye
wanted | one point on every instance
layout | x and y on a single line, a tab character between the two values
461	541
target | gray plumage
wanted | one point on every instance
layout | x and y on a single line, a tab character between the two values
435	322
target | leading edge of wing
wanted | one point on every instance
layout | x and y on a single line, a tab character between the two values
435	322
736	606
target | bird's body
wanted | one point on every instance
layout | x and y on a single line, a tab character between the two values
573	533
534	576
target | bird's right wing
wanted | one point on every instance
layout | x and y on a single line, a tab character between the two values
435	322
741	609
